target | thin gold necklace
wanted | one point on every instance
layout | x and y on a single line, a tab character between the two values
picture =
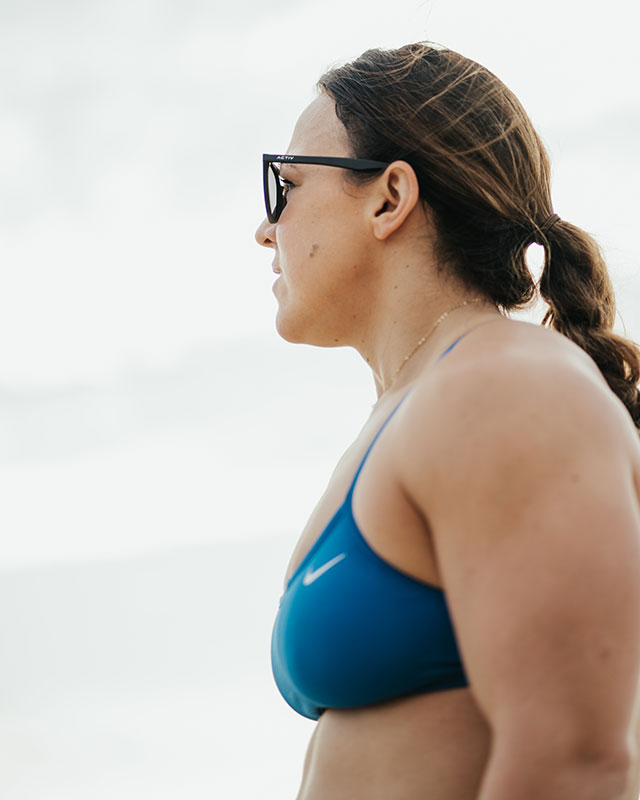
422	341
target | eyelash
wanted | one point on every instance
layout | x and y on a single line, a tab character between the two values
286	185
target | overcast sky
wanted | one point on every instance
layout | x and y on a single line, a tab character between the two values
136	308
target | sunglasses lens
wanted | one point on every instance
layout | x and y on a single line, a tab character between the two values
273	192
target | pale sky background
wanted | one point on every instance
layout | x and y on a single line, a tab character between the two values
160	446
144	391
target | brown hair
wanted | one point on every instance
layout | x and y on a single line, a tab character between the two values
484	172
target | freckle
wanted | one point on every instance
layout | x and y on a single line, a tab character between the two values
395	287
336	340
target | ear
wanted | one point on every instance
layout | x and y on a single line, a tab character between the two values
394	198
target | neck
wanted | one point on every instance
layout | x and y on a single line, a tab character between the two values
399	351
404	296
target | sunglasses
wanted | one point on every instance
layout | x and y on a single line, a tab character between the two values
274	197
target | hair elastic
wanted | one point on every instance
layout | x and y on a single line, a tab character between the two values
546	226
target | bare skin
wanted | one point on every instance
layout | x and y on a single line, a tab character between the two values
356	267
436	744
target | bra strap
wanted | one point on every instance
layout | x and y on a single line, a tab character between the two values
451	346
375	439
384	424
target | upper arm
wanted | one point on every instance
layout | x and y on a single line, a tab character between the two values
530	500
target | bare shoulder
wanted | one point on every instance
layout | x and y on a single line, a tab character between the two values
511	391
524	465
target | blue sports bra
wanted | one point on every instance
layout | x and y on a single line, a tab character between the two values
352	630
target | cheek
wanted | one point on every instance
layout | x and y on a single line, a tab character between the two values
321	261
300	254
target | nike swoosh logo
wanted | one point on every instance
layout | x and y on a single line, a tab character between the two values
310	577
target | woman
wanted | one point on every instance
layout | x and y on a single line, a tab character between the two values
462	611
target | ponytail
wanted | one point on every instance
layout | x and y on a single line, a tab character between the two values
576	285
484	172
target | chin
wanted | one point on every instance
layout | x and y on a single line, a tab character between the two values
295	331
297	337
288	331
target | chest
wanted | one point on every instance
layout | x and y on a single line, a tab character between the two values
358	622
387	521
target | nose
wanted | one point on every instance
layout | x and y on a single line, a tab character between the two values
265	235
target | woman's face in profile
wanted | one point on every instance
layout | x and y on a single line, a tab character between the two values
322	238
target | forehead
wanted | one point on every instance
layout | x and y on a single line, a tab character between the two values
318	131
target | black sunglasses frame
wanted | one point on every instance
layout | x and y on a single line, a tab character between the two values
268	160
